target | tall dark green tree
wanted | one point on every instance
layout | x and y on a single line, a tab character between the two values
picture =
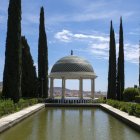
12	68
111	93
120	67
42	58
29	77
139	64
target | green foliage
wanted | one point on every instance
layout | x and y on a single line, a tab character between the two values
12	68
8	106
137	110
137	99
41	100
42	58
111	93
130	93
130	108
29	77
100	100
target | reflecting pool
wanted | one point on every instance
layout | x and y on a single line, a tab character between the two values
71	124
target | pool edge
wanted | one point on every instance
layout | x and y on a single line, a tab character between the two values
12	119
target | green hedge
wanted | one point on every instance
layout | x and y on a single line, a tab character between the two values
100	100
8	107
130	93
130	108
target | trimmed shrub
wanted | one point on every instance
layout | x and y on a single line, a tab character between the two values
130	108
130	93
100	100
137	111
8	106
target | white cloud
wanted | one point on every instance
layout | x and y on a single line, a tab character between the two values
100	50
134	33
68	36
101	46
64	36
98	45
132	53
36	66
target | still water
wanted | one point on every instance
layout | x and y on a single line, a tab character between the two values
71	124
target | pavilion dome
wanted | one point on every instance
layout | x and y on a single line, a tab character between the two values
72	63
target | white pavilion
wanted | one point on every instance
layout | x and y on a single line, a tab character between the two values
72	67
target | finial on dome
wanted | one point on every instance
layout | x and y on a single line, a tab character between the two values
71	52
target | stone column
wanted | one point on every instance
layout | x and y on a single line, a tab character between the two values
63	88
51	87
92	88
81	88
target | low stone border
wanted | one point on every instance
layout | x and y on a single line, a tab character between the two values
10	120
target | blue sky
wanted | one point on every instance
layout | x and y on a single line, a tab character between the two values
82	26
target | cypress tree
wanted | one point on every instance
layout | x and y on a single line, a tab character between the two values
139	65
29	77
120	71
12	68
42	58
111	93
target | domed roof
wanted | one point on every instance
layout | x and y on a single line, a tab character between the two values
72	63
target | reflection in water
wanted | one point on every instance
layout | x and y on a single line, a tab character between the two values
80	123
62	128
113	132
51	124
70	124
